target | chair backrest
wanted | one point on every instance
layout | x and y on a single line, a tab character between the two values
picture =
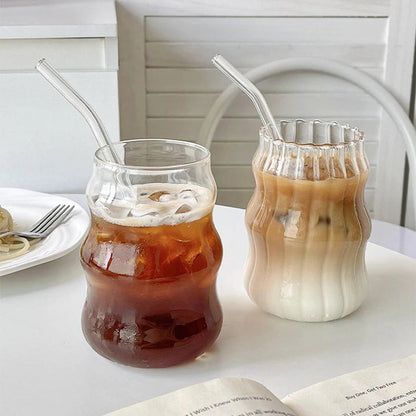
346	72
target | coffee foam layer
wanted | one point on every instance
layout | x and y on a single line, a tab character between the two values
154	205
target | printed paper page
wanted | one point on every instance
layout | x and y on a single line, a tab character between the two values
219	397
387	389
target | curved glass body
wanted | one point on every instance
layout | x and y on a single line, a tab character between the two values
152	254
307	223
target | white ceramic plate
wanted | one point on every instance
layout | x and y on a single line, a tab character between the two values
27	207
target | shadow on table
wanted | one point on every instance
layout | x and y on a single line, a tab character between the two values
42	276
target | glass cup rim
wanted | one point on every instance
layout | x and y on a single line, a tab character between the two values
98	157
358	134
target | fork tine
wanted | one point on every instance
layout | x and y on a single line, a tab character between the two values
52	219
44	218
49	218
58	220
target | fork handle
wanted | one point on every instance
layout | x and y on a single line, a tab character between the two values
21	234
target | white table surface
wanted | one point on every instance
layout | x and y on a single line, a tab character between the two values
47	368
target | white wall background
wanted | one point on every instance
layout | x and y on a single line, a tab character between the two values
46	145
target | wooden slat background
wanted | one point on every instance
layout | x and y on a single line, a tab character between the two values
180	80
264	29
182	85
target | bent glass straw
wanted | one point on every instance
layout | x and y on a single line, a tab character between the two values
252	91
65	89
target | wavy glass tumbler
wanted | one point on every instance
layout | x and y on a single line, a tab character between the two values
307	223
152	254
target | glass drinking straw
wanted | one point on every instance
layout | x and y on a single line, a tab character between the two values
64	88
252	91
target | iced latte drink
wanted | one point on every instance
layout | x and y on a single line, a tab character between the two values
151	257
307	223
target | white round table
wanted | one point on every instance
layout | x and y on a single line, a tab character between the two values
47	368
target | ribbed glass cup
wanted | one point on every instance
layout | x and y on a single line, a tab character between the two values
307	222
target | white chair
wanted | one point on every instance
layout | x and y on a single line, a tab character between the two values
338	69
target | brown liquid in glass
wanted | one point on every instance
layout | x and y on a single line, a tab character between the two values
151	299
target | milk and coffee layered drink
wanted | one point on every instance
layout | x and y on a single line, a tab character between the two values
307	224
151	259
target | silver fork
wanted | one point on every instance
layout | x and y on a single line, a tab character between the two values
46	224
